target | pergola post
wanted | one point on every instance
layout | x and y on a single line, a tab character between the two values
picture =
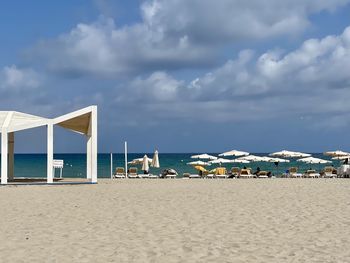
4	156
50	153
91	147
11	155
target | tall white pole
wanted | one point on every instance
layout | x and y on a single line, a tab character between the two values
126	158
111	165
4	155
50	153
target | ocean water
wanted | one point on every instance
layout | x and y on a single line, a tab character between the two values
34	165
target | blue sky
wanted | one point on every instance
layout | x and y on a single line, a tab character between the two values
182	76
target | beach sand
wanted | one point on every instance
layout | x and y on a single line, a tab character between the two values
272	220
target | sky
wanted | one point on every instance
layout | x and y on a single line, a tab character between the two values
181	75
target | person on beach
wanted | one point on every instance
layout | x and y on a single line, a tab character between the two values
257	171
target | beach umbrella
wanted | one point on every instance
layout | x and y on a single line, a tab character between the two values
234	153
145	163
252	158
341	157
336	153
139	161
313	160
289	154
199	168
155	160
277	161
220	161
199	163
204	156
239	161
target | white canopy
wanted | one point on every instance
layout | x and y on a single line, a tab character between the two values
234	153
204	156
82	121
313	160
336	153
290	154
198	163
220	161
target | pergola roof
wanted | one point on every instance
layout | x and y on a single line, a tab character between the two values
77	121
14	120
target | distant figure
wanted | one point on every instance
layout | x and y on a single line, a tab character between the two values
145	172
346	161
244	167
257	171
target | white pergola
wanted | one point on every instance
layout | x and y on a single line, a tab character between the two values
82	121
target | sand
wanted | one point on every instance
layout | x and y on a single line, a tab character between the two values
270	220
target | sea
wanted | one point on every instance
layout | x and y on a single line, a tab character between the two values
34	165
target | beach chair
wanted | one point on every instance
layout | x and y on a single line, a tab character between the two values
262	174
133	172
311	174
186	175
293	173
245	173
328	172
119	172
221	172
235	171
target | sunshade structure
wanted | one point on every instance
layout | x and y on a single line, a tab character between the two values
336	153
234	153
199	163
82	121
313	160
204	156
252	158
155	160
220	161
145	163
289	154
140	160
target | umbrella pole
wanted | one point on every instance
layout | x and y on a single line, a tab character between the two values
126	158
111	165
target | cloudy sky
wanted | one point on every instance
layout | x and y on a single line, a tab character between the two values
182	75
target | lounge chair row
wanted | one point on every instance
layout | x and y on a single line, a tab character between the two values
327	172
133	173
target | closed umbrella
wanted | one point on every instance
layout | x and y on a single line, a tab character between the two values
155	160
145	163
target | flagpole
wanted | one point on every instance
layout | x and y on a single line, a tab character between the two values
111	165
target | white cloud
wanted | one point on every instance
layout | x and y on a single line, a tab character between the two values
174	34
14	79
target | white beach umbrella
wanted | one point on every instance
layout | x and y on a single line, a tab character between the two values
278	160
239	161
204	156
290	154
199	163
234	153
155	160
220	161
252	158
313	160
139	161
336	153
341	157
145	163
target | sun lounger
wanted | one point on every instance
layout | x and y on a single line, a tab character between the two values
245	173
221	172
293	173
329	172
262	174
235	171
311	174
119	173
133	172
153	176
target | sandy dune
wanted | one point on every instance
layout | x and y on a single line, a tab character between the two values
274	220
